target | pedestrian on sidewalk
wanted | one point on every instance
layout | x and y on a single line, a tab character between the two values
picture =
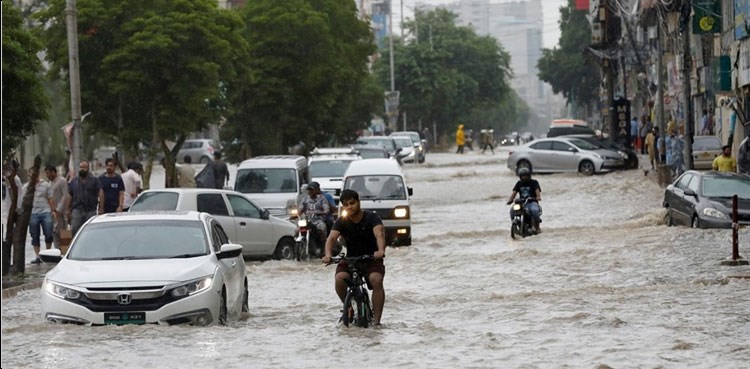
725	162
43	209
651	146
221	172
112	192
59	188
132	182
83	198
186	173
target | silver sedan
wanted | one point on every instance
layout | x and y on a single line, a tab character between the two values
563	154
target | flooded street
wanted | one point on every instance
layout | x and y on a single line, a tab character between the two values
606	284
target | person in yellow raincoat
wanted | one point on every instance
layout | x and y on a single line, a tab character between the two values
460	139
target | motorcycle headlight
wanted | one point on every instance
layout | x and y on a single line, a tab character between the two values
193	287
302	223
62	291
516	207
344	213
711	212
401	212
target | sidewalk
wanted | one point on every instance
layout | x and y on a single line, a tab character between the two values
32	279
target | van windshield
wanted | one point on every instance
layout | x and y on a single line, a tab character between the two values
265	180
383	187
328	168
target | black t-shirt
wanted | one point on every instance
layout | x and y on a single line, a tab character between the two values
360	238
527	189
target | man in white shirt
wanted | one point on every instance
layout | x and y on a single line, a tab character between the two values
132	181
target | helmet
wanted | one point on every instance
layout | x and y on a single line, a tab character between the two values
524	172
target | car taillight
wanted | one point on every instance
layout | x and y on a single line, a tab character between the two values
210	149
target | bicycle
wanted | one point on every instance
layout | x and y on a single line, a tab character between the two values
357	305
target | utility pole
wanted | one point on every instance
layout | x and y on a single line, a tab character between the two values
75	81
689	124
660	81
393	117
402	21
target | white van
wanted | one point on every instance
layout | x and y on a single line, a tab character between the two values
328	165
274	181
382	189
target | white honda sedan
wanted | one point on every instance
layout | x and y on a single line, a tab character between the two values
135	268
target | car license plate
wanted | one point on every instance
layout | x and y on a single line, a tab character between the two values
706	155
125	318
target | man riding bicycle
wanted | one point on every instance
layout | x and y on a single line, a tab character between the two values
364	235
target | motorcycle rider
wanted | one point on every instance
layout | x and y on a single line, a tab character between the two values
316	208
528	188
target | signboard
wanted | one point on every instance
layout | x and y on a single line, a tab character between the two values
622	121
741	19
706	16
743	64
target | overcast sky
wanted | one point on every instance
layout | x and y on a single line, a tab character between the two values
550	9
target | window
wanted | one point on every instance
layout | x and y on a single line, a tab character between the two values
544	145
156	201
212	203
281	180
683	182
561	146
242	207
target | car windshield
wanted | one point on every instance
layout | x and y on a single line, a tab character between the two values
706	143
403	142
266	180
381	187
328	168
155	201
372	153
147	239
726	187
583	144
382	141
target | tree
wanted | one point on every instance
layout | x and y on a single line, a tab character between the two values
24	100
152	72
307	77
565	68
447	72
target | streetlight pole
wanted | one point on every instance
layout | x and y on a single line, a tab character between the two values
75	81
393	119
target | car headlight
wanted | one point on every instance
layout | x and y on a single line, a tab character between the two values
598	156
193	287
711	212
61	291
293	212
401	212
623	154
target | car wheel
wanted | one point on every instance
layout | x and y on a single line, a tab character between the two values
523	164
205	160
586	168
285	249
696	222
669	220
245	299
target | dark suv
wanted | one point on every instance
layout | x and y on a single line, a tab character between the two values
569	130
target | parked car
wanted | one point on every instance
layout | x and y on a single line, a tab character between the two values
408	153
328	164
630	156
703	199
138	268
200	150
372	151
705	150
563	154
243	220
418	142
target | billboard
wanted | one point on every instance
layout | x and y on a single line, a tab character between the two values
741	19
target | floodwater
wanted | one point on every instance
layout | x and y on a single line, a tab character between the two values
606	284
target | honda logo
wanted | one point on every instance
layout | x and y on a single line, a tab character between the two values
124	298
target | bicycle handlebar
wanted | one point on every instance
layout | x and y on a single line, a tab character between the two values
354	259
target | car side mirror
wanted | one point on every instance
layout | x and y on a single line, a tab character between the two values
50	256
266	214
572	149
337	193
690	192
410	191
229	250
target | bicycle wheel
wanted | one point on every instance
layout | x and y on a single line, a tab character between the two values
349	314
366	310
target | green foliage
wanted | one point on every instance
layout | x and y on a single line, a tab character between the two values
565	68
307	75
447	72
150	69
24	100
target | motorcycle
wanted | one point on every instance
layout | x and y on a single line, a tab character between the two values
307	242
523	224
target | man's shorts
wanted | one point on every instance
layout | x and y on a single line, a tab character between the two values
375	266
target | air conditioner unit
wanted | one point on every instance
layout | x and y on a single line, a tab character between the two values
596	34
